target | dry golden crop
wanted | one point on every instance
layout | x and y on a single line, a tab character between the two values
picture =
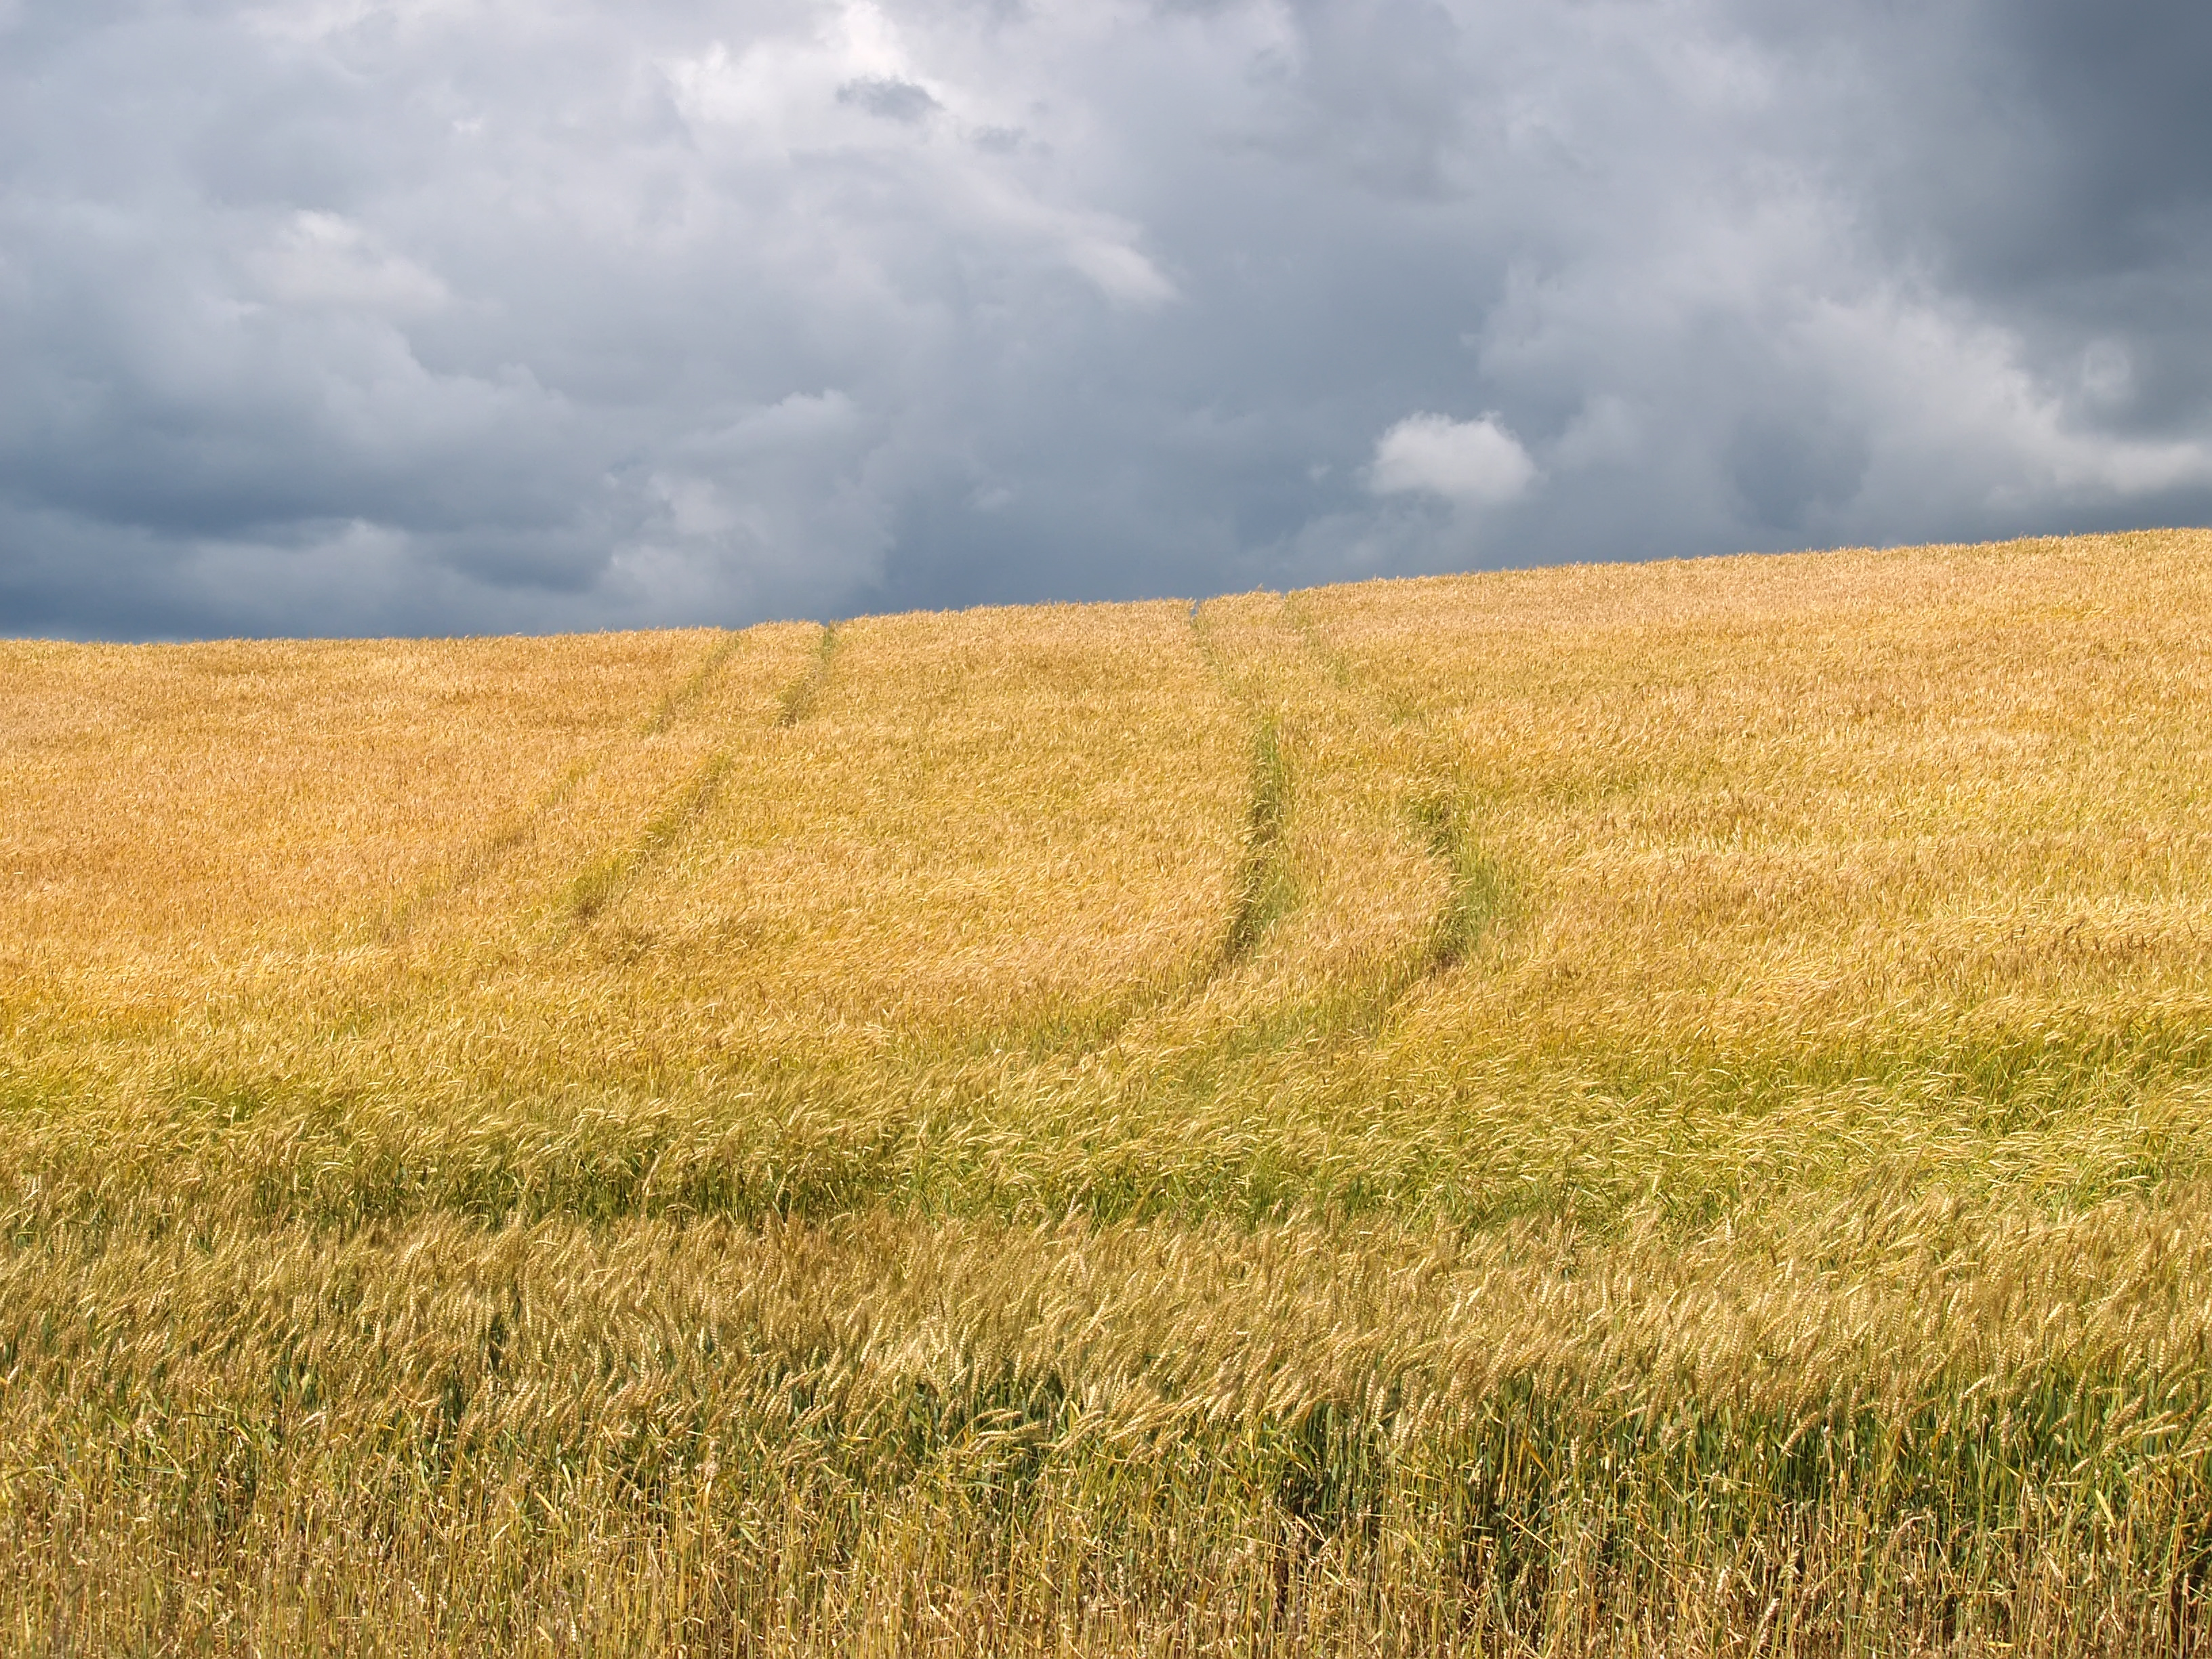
1642	1109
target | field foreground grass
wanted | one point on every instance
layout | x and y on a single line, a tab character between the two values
1633	1109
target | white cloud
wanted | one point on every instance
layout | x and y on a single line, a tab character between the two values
1947	398
1471	462
327	259
816	102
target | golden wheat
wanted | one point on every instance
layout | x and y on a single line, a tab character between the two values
1641	1110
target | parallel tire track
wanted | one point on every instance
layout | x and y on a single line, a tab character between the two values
1265	889
602	882
1479	890
486	854
796	700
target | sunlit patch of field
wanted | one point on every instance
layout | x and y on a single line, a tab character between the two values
1655	1108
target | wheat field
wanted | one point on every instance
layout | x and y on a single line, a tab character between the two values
1654	1109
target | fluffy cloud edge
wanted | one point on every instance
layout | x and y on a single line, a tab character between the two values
1478	463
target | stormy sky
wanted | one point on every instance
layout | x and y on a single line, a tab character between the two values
444	316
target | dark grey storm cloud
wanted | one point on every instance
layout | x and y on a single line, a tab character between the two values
344	316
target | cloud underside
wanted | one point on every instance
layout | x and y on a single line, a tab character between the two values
395	315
